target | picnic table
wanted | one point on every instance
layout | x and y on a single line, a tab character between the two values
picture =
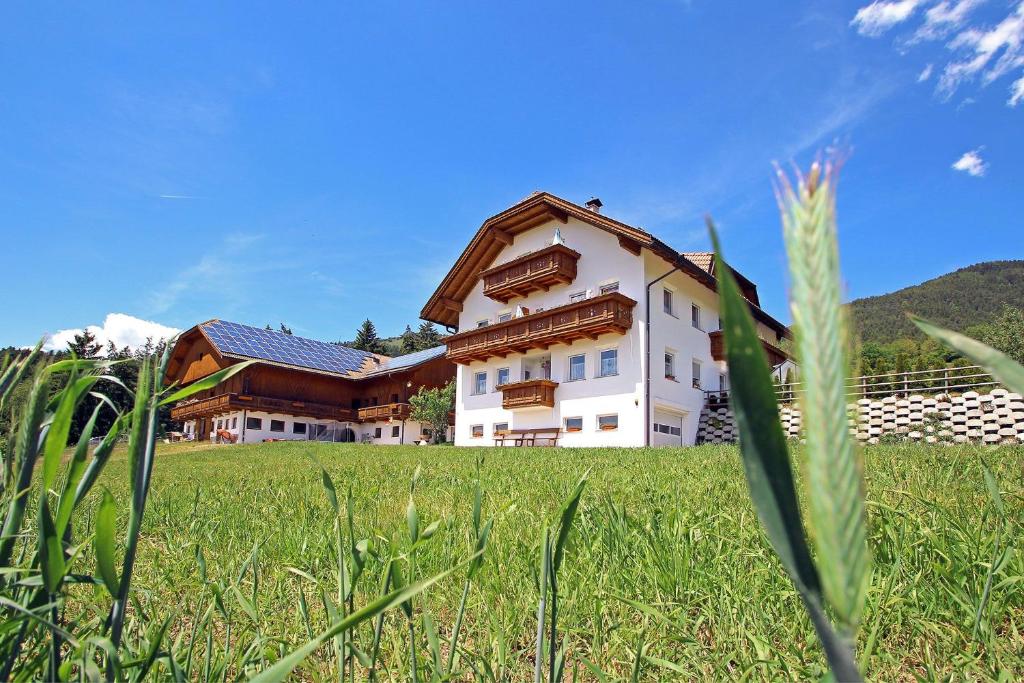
545	436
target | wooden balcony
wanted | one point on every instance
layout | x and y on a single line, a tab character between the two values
540	270
774	353
531	393
226	403
388	411
606	314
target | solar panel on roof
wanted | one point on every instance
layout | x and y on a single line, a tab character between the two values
253	342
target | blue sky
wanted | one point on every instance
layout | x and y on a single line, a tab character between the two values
317	165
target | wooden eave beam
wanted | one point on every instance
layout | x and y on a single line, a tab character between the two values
502	236
632	246
450	304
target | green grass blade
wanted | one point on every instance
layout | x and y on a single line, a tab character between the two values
76	468
283	668
104	542
835	487
51	552
762	444
1001	366
566	516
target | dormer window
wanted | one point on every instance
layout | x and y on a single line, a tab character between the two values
577	297
504	317
483	323
609	288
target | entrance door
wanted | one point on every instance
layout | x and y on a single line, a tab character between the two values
203	434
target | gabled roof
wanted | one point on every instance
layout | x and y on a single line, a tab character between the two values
540	207
244	342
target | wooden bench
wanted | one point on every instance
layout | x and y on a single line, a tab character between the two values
547	436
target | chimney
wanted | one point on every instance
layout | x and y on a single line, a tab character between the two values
594	205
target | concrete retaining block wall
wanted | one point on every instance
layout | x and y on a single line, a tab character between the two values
991	418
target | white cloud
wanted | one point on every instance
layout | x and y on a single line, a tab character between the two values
1016	92
971	163
123	330
881	15
942	19
1003	45
976	50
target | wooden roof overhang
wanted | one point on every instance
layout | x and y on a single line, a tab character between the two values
500	230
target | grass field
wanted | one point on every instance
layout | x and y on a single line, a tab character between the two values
667	560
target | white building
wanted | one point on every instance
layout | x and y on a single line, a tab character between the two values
571	322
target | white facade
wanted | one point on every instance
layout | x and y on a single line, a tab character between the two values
607	390
254	427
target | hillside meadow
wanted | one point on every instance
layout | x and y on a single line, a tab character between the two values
667	575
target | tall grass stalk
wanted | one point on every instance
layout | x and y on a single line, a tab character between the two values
835	488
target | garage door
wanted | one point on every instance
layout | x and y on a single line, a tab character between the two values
667	429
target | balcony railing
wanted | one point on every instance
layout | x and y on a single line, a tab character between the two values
539	270
774	353
224	403
531	393
388	411
588	319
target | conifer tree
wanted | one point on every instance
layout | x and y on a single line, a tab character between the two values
427	336
84	345
409	341
367	339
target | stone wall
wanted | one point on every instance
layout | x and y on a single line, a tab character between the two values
991	418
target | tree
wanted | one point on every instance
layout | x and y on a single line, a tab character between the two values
285	329
367	339
85	345
409	342
1005	333
432	406
427	336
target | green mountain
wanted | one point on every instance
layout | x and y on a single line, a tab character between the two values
958	300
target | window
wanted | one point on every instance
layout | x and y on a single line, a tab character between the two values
696	374
502	377
504	317
501	427
298	428
574	424
253	423
578	296
234	423
219	424
670	365
609	362
476	431
610	287
667	300
376	432
277	425
695	316
723	381
607	423
394	398
667	429
577	367
479	383
395	431
483	323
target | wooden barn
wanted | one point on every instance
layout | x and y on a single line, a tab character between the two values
300	389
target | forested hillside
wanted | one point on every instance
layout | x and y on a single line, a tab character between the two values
964	298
